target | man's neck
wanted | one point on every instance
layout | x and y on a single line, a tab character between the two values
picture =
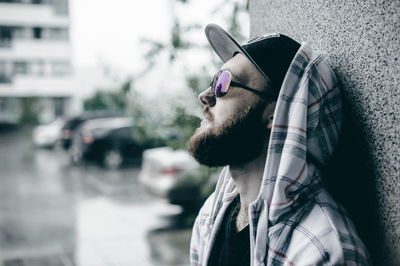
248	178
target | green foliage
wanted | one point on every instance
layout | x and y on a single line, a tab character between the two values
178	32
181	127
234	27
199	81
109	100
178	131
146	125
147	130
201	176
126	87
154	48
175	128
30	110
200	182
103	100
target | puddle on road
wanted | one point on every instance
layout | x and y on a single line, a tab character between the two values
119	234
95	230
55	214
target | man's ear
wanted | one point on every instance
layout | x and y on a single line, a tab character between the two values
268	114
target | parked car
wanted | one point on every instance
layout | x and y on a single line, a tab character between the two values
108	141
177	177
48	135
72	125
193	188
162	168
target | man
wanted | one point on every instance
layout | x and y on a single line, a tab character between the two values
272	117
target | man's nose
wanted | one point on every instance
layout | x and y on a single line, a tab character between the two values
207	97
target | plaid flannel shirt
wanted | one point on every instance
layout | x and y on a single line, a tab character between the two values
293	221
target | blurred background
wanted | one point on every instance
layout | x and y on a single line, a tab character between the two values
97	101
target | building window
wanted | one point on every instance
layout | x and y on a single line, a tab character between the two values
59	104
4	74
37	33
20	68
59	34
60	6
19	33
38	68
5	36
60	68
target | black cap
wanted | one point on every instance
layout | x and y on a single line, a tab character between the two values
271	54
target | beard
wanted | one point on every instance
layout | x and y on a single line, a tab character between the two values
238	140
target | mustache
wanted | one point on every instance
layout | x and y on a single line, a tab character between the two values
207	114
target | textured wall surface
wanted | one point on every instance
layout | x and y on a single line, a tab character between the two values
361	40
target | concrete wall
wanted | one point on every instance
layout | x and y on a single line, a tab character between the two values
361	41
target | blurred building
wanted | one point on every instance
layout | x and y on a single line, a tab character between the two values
35	60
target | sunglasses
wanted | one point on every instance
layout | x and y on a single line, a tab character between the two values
222	81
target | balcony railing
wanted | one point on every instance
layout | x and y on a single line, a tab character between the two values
22	14
59	7
55	50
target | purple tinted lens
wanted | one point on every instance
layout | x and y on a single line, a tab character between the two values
221	85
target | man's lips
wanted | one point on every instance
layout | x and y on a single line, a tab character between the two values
207	114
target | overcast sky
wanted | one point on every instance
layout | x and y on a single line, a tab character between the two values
110	30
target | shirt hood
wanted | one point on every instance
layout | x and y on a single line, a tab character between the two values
305	131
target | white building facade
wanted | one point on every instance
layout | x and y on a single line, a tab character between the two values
36	73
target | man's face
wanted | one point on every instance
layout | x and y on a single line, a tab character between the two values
235	127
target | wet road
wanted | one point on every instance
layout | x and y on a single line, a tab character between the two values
52	213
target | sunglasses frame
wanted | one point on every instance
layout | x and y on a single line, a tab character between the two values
235	84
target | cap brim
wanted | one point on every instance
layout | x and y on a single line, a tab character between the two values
225	46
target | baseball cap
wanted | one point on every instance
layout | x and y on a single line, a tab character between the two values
271	53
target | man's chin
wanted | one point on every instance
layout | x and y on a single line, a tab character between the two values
199	147
214	151
236	141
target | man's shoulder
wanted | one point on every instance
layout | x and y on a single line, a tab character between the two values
206	209
320	232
